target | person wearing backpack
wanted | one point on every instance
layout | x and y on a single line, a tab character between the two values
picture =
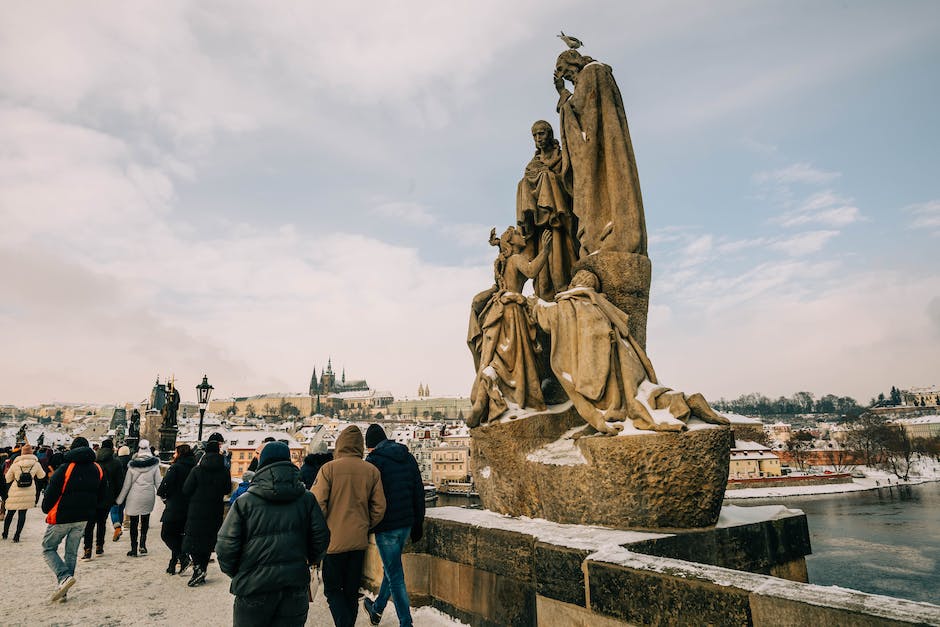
70	499
22	476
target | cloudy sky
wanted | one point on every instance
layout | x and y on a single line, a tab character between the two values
245	189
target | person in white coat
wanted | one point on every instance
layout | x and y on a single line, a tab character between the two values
21	498
139	494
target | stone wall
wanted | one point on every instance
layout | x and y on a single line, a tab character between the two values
786	482
495	575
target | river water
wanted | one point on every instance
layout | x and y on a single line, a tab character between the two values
883	541
879	541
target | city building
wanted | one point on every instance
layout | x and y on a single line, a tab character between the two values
923	397
920	427
750	460
436	408
242	444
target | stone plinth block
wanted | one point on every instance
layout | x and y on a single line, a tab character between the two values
655	481
625	281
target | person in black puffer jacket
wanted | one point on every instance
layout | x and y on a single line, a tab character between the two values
271	536
114	473
176	506
69	506
312	465
404	518
205	487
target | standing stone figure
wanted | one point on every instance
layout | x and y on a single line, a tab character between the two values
605	372
133	429
543	204
502	336
21	434
597	157
171	406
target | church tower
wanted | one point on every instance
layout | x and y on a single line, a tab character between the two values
314	385
328	378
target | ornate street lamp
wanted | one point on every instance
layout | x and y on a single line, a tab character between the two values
203	390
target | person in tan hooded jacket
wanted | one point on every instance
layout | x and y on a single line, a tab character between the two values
349	492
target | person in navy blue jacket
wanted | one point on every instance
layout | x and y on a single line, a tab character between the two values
404	518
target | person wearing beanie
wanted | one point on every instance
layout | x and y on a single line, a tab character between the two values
256	458
139	495
114	473
270	538
404	519
206	486
74	492
349	492
22	476
312	465
176	506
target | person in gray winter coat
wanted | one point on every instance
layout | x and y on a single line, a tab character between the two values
139	494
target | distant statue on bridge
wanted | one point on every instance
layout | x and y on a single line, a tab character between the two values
171	405
133	429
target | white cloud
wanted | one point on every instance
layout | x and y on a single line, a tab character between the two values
796	173
804	243
837	216
832	337
407	212
926	216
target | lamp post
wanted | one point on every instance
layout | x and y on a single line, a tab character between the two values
203	390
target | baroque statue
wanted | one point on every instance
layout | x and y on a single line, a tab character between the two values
170	406
133	429
543	204
605	372
598	163
502	336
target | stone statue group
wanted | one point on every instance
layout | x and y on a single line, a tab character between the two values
578	197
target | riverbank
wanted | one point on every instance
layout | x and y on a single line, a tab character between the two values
922	471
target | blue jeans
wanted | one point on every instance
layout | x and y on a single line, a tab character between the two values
117	515
72	533
390	545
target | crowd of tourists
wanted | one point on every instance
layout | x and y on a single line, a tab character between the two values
285	527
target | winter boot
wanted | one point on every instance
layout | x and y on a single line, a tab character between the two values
171	568
143	549
198	578
117	533
99	549
184	562
133	551
87	554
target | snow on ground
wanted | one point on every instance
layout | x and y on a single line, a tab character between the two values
922	471
114	589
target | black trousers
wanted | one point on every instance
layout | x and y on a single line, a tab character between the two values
99	522
201	559
171	532
342	573
20	521
144	521
284	608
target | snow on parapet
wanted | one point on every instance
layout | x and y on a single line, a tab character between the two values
833	597
582	537
562	452
734	515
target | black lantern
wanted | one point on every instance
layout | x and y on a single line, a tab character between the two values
203	391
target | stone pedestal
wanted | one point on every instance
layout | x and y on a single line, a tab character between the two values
655	481
625	281
167	442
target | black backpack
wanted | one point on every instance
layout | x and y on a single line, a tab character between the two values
26	478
